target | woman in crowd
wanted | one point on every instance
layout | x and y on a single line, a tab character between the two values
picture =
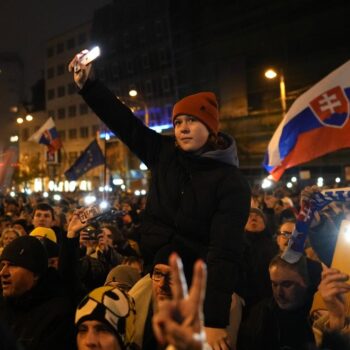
198	200
7	236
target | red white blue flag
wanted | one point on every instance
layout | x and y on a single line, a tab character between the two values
47	135
316	124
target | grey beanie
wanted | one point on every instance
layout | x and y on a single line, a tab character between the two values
258	212
124	275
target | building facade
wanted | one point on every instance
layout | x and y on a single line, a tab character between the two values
77	125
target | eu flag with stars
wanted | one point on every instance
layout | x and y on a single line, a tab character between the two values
90	158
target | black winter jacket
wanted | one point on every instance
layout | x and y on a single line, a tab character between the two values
42	318
270	328
199	203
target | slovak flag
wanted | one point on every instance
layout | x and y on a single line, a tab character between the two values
47	135
316	124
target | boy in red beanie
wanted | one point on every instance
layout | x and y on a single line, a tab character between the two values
198	200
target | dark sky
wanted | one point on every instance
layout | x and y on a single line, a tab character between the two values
25	25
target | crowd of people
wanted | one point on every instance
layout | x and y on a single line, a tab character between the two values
63	289
198	264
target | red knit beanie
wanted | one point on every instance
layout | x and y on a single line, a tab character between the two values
203	106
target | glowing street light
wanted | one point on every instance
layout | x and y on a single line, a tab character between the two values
20	120
132	93
14	138
272	74
29	117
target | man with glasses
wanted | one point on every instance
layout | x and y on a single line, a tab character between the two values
161	282
284	233
148	292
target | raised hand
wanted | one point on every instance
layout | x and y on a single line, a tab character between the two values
75	225
333	288
179	322
80	71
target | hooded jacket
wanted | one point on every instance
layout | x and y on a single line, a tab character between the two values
197	202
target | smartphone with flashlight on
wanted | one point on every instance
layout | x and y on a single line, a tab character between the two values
88	57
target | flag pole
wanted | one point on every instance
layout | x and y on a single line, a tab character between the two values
105	194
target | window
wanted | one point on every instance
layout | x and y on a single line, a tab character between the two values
145	61
149	87
142	34
59	48
51	114
126	40
72	111
84	132
50	73
159	28
50	94
49	52
115	70
61	91
72	157
61	113
62	134
81	38
163	57
60	69
83	108
129	66
95	129
165	83
72	89
72	133
70	43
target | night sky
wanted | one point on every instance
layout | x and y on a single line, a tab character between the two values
25	25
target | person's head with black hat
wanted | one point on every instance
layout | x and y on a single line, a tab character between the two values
22	263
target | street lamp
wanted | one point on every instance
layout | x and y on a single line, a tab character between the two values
14	138
272	74
133	93
27	118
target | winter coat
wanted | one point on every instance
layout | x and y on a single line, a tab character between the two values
43	317
269	327
198	203
259	251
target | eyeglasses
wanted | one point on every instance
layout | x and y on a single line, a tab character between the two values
285	234
158	275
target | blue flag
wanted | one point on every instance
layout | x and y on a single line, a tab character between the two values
90	158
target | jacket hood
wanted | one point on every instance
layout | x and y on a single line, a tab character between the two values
227	155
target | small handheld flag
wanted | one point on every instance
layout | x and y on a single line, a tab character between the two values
47	135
